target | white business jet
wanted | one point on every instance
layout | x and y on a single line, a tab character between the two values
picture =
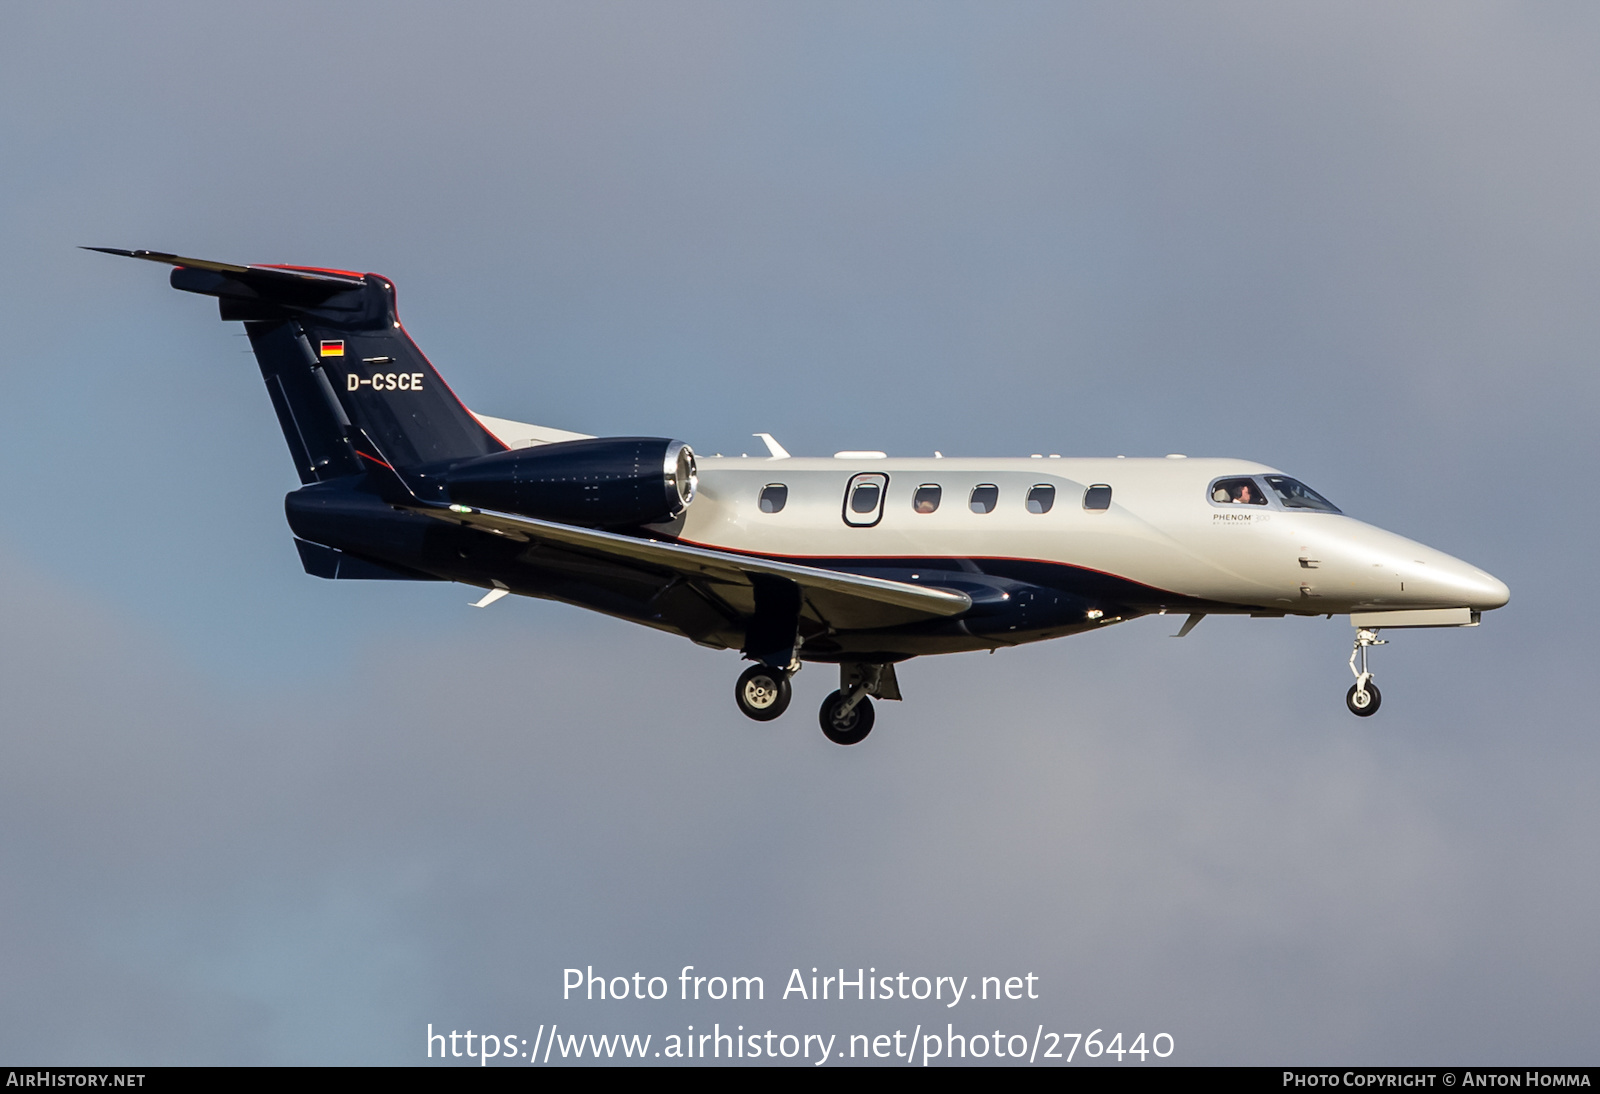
857	560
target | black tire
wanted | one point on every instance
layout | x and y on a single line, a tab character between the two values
1364	706
853	727
762	693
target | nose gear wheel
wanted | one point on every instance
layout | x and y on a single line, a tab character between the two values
1363	697
1363	703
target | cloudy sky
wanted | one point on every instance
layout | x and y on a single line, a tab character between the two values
254	817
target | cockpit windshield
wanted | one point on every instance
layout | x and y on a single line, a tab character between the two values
1295	494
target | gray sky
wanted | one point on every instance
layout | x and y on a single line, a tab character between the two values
251	816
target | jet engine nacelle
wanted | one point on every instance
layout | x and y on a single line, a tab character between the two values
600	482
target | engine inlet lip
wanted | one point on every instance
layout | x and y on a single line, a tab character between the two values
680	476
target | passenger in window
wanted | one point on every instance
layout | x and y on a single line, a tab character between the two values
926	499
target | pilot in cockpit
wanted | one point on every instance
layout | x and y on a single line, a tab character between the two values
1237	492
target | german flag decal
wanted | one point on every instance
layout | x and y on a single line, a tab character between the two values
333	349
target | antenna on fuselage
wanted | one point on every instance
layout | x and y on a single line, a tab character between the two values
777	450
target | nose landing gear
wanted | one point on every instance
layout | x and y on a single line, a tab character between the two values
1363	697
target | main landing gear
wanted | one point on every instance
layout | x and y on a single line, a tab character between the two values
847	719
763	693
1363	697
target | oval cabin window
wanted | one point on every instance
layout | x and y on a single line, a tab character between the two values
1041	498
774	497
984	498
1097	496
926	499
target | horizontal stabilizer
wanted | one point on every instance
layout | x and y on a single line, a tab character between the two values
284	275
287	285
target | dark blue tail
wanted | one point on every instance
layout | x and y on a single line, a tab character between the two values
337	364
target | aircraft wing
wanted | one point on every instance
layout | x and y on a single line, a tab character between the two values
840	600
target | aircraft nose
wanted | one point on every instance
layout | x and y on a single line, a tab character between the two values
1493	593
1479	590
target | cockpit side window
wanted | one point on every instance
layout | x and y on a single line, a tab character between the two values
1297	495
774	496
1239	491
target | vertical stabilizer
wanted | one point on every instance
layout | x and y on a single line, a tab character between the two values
337	364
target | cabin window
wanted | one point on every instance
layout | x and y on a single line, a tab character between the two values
1297	495
926	499
774	496
1238	492
984	498
1041	498
863	499
1097	496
